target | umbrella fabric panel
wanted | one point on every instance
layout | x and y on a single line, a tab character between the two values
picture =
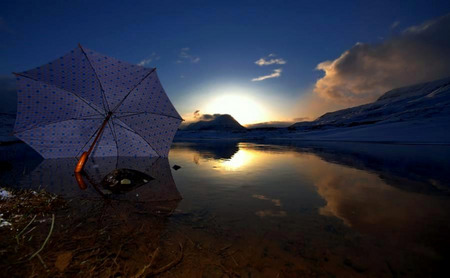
105	146
117	78
148	96
73	73
69	139
39	104
131	144
157	130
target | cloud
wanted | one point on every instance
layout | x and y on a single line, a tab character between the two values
208	117
197	117
273	61
147	61
395	24
302	119
185	56
271	124
366	71
270	213
196	114
276	73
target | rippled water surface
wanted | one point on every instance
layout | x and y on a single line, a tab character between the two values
238	209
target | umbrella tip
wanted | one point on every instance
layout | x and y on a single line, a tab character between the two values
79	45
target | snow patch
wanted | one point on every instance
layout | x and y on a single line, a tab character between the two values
4	194
3	222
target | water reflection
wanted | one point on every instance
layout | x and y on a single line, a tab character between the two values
211	149
395	197
56	176
266	210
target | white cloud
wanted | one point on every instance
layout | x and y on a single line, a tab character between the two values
147	61
265	61
276	73
362	73
186	56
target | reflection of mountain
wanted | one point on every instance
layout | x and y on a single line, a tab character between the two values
56	176
408	167
211	150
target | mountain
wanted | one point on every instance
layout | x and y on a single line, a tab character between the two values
223	122
414	113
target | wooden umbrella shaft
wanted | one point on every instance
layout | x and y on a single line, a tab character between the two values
85	155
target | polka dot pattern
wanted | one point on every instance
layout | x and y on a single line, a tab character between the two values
67	138
131	144
117	77
149	97
157	130
73	73
39	104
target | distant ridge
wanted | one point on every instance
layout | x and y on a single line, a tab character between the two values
418	114
412	103
223	122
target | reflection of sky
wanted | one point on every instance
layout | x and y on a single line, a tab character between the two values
238	161
282	180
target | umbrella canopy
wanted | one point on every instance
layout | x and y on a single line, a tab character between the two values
63	105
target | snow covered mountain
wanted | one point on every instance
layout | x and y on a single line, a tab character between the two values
223	122
419	113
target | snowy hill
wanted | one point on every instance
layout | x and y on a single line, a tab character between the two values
219	122
419	113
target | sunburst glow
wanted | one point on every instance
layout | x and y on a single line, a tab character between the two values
244	109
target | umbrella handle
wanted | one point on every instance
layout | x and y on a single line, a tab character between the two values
80	181
81	162
85	155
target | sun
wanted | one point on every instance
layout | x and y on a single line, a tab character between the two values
244	109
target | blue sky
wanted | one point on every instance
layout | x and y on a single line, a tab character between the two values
204	50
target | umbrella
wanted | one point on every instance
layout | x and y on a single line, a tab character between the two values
85	103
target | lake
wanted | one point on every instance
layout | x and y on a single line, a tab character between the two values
241	209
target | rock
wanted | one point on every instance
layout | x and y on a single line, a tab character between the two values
176	167
124	180
63	261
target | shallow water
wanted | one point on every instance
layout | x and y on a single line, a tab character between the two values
269	210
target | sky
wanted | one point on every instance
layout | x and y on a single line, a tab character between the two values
260	61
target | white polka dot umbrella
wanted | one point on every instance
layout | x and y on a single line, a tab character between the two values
85	103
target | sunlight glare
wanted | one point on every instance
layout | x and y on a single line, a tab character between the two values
244	109
238	160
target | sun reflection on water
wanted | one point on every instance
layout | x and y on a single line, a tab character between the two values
238	161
